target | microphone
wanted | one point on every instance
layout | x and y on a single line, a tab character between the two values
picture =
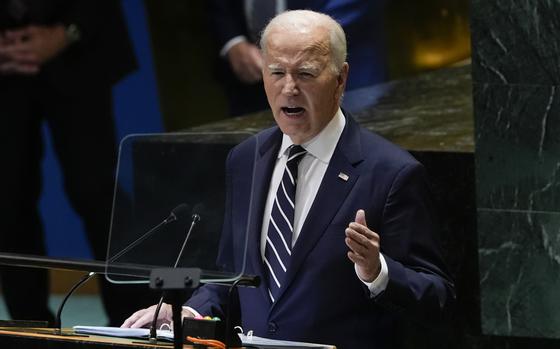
179	212
195	218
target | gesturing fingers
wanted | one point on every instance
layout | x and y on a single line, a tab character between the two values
364	248
361	240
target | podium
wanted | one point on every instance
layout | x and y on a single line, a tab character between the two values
30	339
34	338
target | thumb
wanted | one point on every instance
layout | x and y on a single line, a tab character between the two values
361	217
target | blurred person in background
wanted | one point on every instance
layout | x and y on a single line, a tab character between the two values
58	62
237	25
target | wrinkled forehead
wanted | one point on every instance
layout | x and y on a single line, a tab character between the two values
298	40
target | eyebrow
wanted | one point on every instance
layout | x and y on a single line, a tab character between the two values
308	67
303	67
274	66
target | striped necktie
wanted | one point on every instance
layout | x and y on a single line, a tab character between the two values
278	248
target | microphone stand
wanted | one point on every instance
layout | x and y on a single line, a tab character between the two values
174	282
153	326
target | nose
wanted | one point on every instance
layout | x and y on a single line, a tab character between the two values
290	86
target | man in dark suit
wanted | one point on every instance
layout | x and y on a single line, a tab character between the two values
343	229
237	24
58	62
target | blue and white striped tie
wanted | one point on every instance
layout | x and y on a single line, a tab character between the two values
278	248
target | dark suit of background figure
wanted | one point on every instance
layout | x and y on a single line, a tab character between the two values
72	93
362	21
323	300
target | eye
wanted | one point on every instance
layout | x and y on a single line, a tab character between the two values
305	74
277	73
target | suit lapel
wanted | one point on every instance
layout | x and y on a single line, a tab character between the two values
330	197
268	145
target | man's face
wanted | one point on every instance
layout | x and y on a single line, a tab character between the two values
302	89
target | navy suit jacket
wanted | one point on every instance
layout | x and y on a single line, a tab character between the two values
322	299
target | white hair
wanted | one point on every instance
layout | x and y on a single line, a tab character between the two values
305	19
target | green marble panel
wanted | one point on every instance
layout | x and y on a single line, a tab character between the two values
516	92
516	41
517	147
519	257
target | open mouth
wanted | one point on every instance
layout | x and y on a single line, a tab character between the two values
293	111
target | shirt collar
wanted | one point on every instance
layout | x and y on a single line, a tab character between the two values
322	145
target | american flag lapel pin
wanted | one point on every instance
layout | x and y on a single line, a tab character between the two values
343	176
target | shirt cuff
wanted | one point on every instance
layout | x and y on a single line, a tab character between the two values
195	313
377	286
232	42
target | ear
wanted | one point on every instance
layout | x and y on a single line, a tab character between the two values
341	79
343	73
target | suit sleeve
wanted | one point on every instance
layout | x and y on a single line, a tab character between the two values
227	20
418	284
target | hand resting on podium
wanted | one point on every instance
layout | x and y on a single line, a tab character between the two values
144	317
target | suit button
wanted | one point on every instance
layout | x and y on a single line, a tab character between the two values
272	327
